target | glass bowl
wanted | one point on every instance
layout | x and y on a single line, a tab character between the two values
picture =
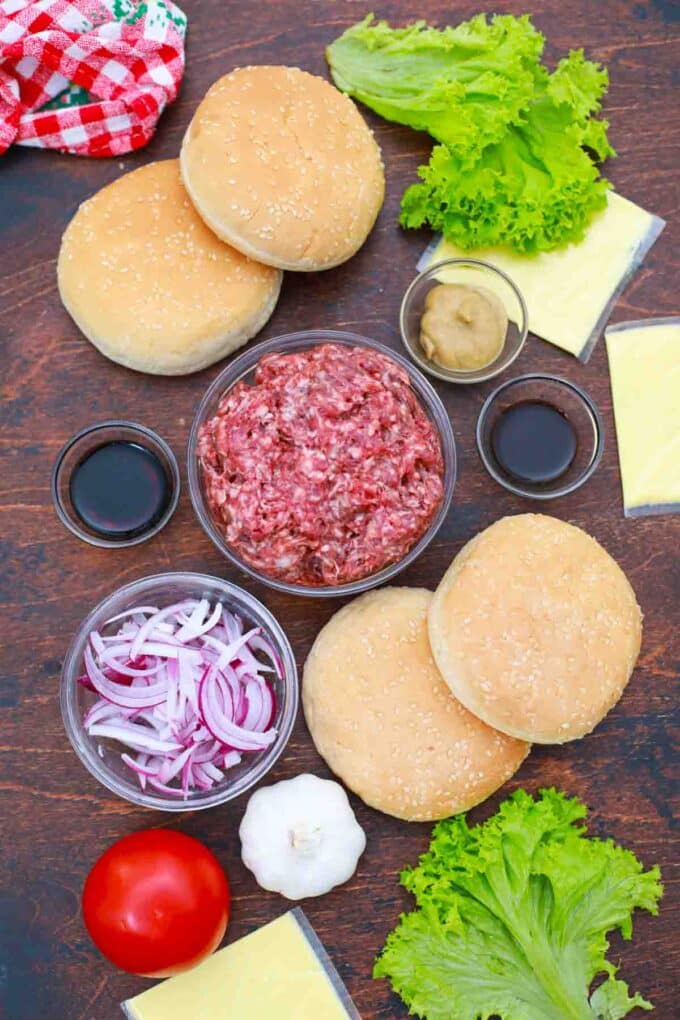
243	368
573	403
471	273
77	449
102	757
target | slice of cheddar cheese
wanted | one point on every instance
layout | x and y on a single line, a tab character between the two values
644	367
279	972
570	292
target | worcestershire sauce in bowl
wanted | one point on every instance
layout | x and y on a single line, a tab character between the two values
115	484
539	436
120	489
534	442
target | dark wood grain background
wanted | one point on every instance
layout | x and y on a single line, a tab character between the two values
55	819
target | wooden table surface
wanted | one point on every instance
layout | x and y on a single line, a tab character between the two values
55	818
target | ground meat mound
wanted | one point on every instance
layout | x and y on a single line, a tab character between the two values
325	469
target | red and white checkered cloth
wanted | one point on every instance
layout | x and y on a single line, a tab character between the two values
131	68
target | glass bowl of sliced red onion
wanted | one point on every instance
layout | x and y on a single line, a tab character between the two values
179	691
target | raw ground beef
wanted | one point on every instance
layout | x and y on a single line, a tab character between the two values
326	469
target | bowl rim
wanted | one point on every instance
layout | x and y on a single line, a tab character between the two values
490	371
589	405
147	433
206	799
425	392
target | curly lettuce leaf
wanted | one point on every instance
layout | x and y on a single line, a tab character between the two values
516	164
534	190
579	84
463	85
512	918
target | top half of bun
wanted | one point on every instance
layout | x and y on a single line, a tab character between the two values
536	628
281	165
150	285
384	720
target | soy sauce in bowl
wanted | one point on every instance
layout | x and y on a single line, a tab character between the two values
120	489
115	484
539	436
534	442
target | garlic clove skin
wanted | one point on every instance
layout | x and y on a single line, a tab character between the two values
300	837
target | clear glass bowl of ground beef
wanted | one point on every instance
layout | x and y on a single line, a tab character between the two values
321	463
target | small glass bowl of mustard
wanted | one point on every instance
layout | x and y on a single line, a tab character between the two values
463	321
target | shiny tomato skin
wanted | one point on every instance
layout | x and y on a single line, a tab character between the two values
156	903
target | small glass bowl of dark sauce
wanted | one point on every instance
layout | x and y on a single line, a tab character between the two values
540	436
115	484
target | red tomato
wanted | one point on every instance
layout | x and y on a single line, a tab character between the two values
156	903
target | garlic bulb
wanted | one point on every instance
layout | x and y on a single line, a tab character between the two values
300	837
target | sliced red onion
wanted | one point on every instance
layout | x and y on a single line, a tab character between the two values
139	765
195	627
221	726
255	703
125	697
209	751
97	642
137	611
225	698
172	767
187	680
237	691
139	737
197	615
153	621
165	649
233	626
259	643
260	705
183	690
108	658
248	663
103	710
211	771
228	652
173	791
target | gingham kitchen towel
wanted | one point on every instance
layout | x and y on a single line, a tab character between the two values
90	77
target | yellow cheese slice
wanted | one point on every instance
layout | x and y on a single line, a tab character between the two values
279	972
644	366
570	292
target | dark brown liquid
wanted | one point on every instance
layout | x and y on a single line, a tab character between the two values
533	442
120	490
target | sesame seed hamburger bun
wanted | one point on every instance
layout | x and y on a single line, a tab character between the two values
386	723
536	629
150	286
283	167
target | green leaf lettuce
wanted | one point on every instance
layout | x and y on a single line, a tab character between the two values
463	85
536	188
516	164
512	918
